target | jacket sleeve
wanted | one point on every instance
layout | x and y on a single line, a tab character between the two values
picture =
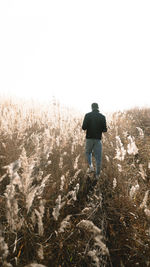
105	126
85	121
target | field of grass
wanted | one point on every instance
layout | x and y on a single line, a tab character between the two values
51	212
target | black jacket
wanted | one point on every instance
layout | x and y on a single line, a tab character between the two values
94	123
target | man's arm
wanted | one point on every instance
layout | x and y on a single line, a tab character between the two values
84	125
105	126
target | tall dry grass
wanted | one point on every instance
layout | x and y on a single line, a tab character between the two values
52	212
125	187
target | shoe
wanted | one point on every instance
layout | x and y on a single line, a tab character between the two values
90	169
97	176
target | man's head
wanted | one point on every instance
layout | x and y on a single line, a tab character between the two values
95	106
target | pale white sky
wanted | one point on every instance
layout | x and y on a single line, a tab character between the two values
78	51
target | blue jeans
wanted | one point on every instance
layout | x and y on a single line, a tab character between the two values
95	146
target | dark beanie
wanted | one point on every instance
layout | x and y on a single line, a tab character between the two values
94	106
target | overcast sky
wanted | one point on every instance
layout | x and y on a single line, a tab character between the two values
78	51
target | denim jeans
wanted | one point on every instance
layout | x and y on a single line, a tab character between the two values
95	146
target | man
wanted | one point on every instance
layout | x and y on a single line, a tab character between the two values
95	124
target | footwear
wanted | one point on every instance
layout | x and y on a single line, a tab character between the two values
90	169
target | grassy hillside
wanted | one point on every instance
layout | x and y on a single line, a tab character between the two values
52	212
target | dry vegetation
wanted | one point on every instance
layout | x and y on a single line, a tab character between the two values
51	212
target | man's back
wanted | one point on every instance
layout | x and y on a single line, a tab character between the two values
94	123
